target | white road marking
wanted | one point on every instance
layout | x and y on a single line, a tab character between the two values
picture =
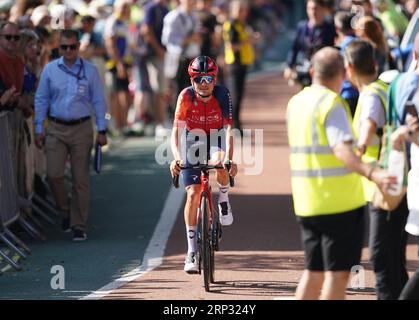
154	253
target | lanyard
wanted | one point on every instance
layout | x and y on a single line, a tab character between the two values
77	76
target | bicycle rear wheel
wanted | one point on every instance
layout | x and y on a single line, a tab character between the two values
206	247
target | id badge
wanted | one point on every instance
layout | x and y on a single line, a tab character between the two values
82	89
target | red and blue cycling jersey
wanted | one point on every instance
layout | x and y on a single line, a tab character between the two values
193	113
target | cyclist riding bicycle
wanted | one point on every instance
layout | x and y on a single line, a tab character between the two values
202	134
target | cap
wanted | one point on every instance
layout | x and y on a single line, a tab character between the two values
39	13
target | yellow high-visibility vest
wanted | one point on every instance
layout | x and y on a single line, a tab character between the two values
320	182
380	89
246	52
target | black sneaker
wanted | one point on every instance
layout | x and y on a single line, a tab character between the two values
79	235
65	225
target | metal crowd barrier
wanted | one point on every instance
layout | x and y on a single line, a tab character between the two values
9	211
9	199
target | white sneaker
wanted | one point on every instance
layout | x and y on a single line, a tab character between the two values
226	216
191	263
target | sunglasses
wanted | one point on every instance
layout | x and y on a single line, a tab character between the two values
65	47
10	37
201	79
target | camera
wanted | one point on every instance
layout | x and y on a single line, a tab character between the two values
303	73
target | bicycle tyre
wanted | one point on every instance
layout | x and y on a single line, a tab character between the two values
206	243
215	229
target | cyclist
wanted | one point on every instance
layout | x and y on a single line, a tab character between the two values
203	122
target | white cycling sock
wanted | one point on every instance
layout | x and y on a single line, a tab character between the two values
191	235
223	193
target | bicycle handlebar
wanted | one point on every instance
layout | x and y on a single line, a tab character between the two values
175	179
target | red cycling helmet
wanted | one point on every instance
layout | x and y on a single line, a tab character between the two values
202	66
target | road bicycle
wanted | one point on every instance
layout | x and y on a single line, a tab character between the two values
209	227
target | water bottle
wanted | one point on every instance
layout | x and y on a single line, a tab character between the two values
412	225
396	168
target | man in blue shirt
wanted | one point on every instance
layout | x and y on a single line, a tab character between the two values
69	92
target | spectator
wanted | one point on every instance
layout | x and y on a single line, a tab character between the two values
344	31
30	49
207	24
239	54
312	35
260	21
364	8
322	168
68	89
221	12
41	16
394	22
410	7
183	42
90	42
25	22
406	86
368	28
149	67
116	44
387	238
345	35
367	8
11	65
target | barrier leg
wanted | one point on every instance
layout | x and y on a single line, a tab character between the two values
12	246
45	204
19	242
31	230
10	261
42	214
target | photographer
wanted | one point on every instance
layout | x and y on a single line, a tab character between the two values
312	35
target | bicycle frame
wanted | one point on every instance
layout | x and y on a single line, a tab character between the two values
205	189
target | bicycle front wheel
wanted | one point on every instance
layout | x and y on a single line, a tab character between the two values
206	247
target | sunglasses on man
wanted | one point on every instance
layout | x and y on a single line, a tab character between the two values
10	37
65	47
201	79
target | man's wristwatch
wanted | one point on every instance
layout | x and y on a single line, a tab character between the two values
102	132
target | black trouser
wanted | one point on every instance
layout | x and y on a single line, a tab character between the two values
411	289
237	82
387	243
